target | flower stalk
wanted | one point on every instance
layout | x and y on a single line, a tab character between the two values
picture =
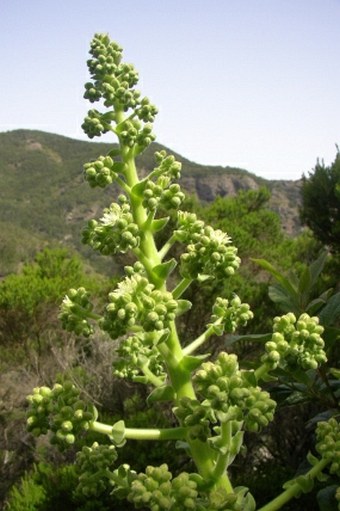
214	402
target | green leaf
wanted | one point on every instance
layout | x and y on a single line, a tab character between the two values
306	483
139	188
183	306
283	281
165	393
202	277
159	224
317	266
249	337
190	363
281	296
313	460
250	377
118	167
114	152
305	282
331	312
118	432
163	270
314	306
330	335
236	443
218	329
335	372
163	337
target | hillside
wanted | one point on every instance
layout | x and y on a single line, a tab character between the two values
44	198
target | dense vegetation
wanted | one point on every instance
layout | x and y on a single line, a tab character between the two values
44	199
321	194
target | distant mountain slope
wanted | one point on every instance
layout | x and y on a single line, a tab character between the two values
43	194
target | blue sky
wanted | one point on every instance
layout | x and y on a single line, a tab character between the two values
248	83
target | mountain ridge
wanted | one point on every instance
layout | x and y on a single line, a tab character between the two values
43	193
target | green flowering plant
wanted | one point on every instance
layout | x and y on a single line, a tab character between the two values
214	402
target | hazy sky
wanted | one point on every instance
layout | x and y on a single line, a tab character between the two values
247	83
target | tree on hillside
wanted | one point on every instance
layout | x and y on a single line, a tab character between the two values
320	209
29	300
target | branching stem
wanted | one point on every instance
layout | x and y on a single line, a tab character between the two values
294	490
188	350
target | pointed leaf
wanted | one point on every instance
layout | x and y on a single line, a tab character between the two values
139	188
159	224
118	432
314	306
119	167
183	306
280	296
306	483
190	363
317	266
165	393
218	329
202	277
164	335
181	445
285	283
250	377
331	335
331	312
114	152
335	372
305	282
163	270
312	460
249	337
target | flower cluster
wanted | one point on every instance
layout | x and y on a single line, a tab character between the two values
196	416
166	165
295	342
95	124
210	253
136	303
229	315
59	410
328	443
163	193
158	491
188	227
75	311
115	232
94	465
101	172
135	353
233	394
114	82
131	132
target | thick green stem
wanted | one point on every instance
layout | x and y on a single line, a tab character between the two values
262	371
181	287
203	455
222	459
294	490
167	246
201	339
